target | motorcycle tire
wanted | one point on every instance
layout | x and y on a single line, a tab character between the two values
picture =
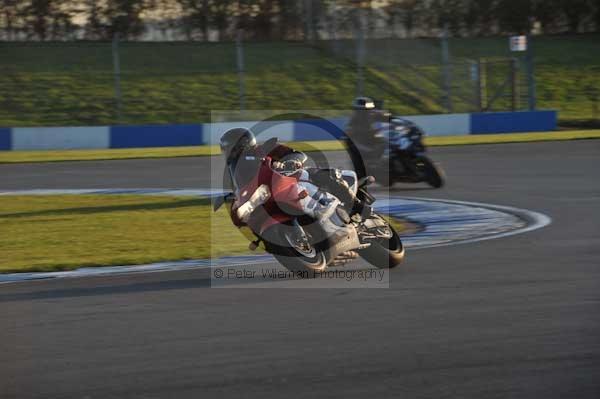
432	175
384	254
304	263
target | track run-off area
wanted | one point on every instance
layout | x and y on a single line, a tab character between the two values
436	223
517	316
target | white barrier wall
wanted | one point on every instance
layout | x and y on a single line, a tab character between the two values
443	125
49	138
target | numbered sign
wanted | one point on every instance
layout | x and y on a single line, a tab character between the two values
518	43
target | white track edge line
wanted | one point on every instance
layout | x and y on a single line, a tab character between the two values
535	221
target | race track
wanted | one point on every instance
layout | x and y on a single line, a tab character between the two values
511	317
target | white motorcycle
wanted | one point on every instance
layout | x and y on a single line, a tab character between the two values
306	228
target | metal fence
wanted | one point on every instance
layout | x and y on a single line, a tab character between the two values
424	74
91	83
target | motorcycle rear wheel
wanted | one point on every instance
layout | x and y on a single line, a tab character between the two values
384	254
305	260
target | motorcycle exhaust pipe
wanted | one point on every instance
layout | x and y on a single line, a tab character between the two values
345	257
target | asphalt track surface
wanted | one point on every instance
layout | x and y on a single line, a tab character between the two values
516	317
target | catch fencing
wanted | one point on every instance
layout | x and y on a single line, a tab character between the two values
99	83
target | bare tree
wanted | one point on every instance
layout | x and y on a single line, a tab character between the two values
575	12
479	16
405	12
289	19
105	19
197	14
46	19
597	14
514	16
10	18
263	19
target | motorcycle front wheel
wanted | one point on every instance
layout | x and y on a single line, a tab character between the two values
431	174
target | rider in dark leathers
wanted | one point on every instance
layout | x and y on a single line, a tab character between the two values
365	116
362	132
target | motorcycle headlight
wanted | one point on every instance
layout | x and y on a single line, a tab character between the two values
259	197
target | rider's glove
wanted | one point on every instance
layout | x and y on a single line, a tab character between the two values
293	164
289	165
277	165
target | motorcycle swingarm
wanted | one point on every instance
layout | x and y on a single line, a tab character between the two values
346	239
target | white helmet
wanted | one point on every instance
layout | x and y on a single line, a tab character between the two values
363	103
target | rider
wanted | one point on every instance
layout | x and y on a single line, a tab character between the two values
243	155
365	143
365	116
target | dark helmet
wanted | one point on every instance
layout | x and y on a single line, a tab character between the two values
363	103
235	141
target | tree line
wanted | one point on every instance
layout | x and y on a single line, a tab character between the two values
289	19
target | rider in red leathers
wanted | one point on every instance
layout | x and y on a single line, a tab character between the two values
243	155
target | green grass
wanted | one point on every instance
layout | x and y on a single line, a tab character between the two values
44	233
174	152
69	84
64	232
512	138
91	155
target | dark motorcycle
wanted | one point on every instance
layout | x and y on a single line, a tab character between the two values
398	155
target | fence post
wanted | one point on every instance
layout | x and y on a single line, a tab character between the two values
308	36
334	27
447	76
530	74
117	75
514	80
240	67
360	53
476	80
482	85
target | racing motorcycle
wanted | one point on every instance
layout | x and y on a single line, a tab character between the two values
404	156
306	228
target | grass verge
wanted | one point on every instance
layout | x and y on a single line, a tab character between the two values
50	233
512	137
174	152
64	232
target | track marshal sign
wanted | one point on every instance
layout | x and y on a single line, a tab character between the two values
518	43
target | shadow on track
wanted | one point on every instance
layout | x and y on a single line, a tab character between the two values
90	287
87	291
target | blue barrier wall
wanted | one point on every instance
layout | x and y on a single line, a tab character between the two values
513	122
155	136
319	129
5	139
